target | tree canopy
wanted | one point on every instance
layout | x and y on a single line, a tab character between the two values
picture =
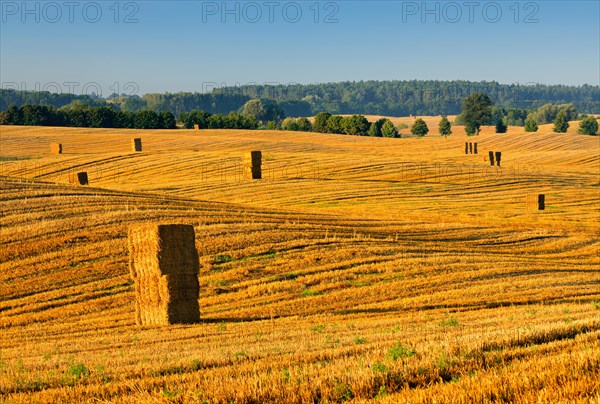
476	111
419	128
588	125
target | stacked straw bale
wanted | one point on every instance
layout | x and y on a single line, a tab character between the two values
251	164
498	158
56	148
536	202
136	144
80	178
164	263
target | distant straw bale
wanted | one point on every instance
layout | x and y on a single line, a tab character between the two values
136	144
56	148
252	165
80	178
536	202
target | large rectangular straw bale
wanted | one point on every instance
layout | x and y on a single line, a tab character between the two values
470	147
466	147
475	148
136	144
80	178
498	158
164	263
536	202
56	148
252	165
491	157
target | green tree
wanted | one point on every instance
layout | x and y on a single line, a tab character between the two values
560	123
419	128
334	124
166	120
375	128
549	112
388	129
531	125
445	127
125	119
13	116
320	124
146	119
289	124
304	125
470	129
271	125
355	125
102	117
263	110
476	111
588	126
254	108
500	126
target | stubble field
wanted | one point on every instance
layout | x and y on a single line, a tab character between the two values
358	268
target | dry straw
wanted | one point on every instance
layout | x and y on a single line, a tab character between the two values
252	163
136	144
164	263
56	148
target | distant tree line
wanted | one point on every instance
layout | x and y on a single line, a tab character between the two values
477	110
393	98
417	97
86	117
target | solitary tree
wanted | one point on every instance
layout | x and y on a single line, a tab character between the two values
476	111
445	127
531	125
588	126
500	126
560	123
419	128
388	129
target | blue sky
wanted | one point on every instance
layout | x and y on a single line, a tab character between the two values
158	46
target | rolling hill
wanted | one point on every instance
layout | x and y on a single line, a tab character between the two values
358	268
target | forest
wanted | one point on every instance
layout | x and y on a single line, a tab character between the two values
389	98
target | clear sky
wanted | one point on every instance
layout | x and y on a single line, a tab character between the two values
159	46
